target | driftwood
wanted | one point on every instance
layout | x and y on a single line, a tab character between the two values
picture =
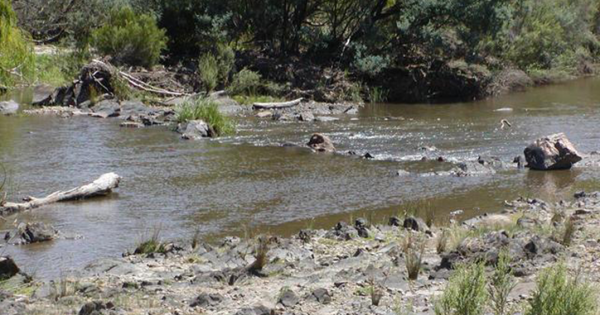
139	84
100	187
277	105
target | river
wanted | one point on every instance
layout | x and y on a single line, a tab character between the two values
242	184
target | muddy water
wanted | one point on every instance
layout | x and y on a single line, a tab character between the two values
241	184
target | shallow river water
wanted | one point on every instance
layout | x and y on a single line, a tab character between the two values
245	184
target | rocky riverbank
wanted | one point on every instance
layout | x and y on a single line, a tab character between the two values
352	268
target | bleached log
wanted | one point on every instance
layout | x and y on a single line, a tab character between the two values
277	105
100	187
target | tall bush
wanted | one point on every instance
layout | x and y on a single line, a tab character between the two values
130	38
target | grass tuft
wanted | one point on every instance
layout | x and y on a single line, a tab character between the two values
569	230
208	111
151	244
413	248
260	255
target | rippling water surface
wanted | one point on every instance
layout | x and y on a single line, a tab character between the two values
243	183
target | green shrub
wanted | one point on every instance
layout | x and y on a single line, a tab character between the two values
208	111
225	61
130	38
17	61
465	293
557	293
245	82
209	72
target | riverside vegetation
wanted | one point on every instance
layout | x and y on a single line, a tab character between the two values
328	50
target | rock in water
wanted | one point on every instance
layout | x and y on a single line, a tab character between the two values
8	268
321	143
9	107
194	130
36	232
553	152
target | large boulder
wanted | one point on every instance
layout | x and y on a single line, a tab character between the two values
9	107
94	81
321	143
553	152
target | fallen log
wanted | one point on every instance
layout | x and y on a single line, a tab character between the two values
100	187
278	105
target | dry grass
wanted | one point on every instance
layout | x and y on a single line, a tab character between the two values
413	248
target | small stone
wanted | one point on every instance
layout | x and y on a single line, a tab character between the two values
205	300
416	224
288	298
395	221
321	295
264	114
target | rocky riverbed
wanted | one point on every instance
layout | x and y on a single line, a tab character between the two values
353	268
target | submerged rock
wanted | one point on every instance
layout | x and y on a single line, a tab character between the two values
321	143
553	152
9	107
474	168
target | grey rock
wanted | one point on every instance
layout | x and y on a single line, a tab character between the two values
342	231
106	109
257	310
42	93
306	116
395	221
206	300
321	295
474	168
9	107
415	224
552	153
264	114
283	117
135	108
288	298
321	143
194	130
95	307
8	268
402	173
11	307
35	232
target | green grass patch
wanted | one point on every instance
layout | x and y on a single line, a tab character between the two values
208	111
